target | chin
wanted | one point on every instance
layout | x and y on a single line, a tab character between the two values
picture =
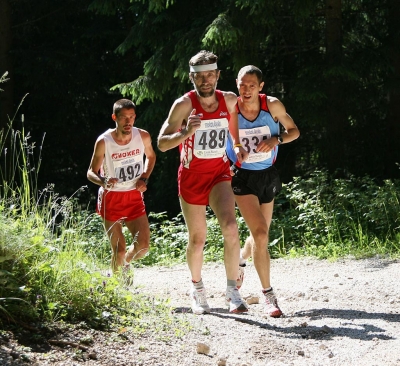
206	94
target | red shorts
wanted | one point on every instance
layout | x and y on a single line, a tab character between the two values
116	205
195	188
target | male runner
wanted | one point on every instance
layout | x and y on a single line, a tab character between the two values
256	180
199	122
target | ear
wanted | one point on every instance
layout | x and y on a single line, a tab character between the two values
114	117
261	85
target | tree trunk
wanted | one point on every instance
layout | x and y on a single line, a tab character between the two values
335	122
6	96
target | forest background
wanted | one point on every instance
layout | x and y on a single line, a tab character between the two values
335	64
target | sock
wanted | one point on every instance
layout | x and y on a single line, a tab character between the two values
198	285
231	283
242	262
265	290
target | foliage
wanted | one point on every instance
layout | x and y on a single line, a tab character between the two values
332	218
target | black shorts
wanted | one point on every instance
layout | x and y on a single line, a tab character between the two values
265	184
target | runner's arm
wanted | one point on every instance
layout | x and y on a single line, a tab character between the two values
93	173
181	123
231	100
278	112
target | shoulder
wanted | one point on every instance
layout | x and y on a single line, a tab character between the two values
230	98
182	103
271	99
100	145
143	133
101	139
274	104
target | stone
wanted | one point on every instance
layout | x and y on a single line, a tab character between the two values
203	348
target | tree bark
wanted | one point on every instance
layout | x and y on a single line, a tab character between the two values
6	96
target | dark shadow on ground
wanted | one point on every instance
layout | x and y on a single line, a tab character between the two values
348	323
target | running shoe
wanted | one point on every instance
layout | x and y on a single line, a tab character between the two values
239	281
271	307
199	301
234	301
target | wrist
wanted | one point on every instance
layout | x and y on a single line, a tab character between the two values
237	145
145	180
280	140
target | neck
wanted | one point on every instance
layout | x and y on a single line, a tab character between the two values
209	104
121	137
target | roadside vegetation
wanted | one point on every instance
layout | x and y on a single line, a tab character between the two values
54	255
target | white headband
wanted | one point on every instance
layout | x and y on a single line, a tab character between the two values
198	68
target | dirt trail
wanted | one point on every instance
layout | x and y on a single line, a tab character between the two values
341	313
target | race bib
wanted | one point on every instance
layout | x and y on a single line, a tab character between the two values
210	139
250	138
127	171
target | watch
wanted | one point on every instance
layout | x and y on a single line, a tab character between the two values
280	141
145	180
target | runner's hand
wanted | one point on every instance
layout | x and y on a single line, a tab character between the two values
141	186
194	122
241	154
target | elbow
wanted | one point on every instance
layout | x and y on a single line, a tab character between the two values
161	146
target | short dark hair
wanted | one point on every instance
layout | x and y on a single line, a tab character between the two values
203	57
123	103
251	69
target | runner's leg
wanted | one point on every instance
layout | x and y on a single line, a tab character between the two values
140	244
222	202
118	244
195	218
258	218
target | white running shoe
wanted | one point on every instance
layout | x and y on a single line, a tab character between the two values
271	307
199	301
239	280
234	301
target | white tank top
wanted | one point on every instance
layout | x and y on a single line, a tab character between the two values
124	162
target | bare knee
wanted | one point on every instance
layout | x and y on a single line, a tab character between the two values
230	230
260	237
196	244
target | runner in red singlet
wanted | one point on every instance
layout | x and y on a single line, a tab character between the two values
199	123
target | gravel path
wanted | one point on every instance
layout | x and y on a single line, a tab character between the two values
341	313
335	313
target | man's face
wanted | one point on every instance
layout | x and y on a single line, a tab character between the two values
205	82
249	87
125	120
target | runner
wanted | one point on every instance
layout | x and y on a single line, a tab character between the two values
199	123
117	167
256	181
